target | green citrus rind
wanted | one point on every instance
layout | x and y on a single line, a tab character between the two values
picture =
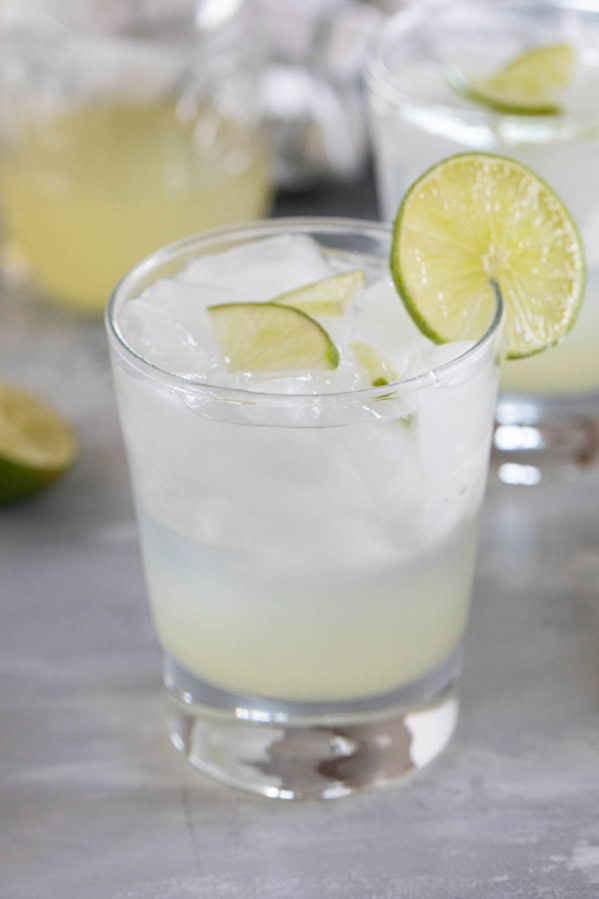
475	221
476	91
258	337
37	447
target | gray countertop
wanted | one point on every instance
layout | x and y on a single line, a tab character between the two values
95	803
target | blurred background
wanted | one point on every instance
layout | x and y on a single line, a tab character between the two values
127	124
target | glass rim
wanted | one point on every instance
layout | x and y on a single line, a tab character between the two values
382	82
263	228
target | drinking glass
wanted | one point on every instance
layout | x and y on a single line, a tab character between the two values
309	557
548	412
124	127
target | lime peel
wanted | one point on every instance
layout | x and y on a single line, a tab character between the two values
476	220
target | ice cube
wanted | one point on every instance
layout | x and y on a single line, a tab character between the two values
383	322
260	270
168	327
342	379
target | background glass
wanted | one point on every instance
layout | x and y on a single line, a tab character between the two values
548	414
124	128
309	558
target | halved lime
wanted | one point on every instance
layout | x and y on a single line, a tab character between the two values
329	296
530	84
476	222
256	337
379	370
36	445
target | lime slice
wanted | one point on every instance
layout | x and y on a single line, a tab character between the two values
379	370
257	337
475	223
329	296
36	445
530	84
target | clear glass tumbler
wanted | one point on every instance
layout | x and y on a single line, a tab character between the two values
309	557
124	127
548	414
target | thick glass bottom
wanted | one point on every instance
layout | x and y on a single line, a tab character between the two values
541	439
293	750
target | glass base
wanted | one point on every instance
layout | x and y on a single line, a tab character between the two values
297	750
545	439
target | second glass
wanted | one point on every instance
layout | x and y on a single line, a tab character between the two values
548	414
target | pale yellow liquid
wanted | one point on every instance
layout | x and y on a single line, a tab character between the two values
88	193
307	636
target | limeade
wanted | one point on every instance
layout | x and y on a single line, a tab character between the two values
429	119
87	191
305	535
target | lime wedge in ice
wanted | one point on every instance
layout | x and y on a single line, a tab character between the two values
36	445
475	223
257	337
530	84
329	296
379	370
